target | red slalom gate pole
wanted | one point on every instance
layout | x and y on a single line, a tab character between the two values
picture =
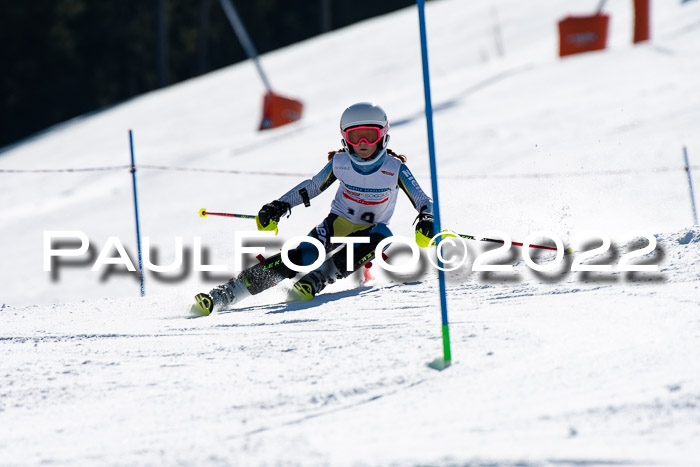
641	21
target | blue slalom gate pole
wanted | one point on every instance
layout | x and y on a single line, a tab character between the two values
447	353
690	185
136	211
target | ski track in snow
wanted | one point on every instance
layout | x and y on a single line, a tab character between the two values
255	377
550	369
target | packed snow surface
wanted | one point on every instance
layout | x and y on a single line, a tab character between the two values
556	368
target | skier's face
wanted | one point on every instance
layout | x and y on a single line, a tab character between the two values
364	150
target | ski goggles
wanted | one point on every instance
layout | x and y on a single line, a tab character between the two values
369	134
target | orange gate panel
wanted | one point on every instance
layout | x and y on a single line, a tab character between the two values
579	34
279	110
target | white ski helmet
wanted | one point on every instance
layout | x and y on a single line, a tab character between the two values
365	113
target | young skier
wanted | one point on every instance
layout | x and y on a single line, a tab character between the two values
370	175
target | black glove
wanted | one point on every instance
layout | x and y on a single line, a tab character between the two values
424	229
270	214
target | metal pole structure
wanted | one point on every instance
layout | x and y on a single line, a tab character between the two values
447	352
601	4
690	185
497	33
326	16
136	211
203	36
244	38
162	38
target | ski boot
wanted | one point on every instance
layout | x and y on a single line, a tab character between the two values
221	297
203	304
308	286
312	283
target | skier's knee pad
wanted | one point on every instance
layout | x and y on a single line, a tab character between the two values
362	252
380	229
303	255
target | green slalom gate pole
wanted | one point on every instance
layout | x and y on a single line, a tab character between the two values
438	364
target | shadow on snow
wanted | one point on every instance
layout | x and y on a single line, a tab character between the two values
322	299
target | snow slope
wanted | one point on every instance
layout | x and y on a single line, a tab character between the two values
556	368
